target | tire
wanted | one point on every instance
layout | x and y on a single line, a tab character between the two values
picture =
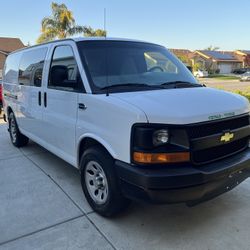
17	138
98	173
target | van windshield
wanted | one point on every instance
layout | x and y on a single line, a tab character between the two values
131	66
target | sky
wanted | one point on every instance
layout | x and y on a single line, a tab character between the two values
184	24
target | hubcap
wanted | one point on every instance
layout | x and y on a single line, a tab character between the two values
13	130
96	182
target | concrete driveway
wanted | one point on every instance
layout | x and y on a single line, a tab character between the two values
42	207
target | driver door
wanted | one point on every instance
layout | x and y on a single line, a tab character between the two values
61	102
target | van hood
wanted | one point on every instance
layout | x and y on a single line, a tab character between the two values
186	105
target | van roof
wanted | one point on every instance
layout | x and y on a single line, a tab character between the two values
78	39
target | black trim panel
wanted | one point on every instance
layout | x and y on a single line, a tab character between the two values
185	137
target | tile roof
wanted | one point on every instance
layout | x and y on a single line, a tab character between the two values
8	44
182	52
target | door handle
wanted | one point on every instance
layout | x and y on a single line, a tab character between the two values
45	99
39	98
82	106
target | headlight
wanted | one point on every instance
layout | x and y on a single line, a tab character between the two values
160	137
158	144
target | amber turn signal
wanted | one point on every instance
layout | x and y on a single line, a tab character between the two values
161	157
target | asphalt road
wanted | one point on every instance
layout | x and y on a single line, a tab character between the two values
42	207
230	85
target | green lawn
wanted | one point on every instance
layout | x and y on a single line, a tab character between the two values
223	77
243	93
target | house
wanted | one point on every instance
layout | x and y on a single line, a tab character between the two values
7	45
223	62
184	55
244	56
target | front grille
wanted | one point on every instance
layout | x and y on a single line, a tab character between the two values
216	127
215	153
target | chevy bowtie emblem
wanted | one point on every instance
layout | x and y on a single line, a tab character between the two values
227	137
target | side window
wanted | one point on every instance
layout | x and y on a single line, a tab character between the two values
64	72
31	67
10	72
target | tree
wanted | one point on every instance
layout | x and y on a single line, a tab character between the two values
212	48
197	66
60	24
88	31
184	58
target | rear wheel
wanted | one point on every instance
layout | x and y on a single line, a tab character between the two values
17	138
100	183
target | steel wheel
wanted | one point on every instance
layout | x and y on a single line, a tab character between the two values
96	182
100	182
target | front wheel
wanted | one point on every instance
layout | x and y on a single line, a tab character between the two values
17	138
100	183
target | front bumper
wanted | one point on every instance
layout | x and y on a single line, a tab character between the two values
184	183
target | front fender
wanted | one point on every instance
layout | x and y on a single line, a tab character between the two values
100	140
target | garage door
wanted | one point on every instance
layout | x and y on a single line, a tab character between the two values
225	68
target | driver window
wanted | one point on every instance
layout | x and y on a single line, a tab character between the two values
157	62
64	72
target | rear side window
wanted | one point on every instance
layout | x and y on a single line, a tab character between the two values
10	74
64	74
31	67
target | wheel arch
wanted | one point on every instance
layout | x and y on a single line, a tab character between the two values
89	140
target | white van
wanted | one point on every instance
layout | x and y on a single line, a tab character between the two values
131	117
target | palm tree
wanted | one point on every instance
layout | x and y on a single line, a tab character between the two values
88	31
60	24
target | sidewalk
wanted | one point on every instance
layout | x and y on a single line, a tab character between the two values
42	207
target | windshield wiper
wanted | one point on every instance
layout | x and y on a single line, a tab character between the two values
108	87
180	84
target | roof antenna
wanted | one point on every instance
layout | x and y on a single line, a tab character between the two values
104	22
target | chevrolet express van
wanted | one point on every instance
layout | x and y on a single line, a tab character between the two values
131	117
